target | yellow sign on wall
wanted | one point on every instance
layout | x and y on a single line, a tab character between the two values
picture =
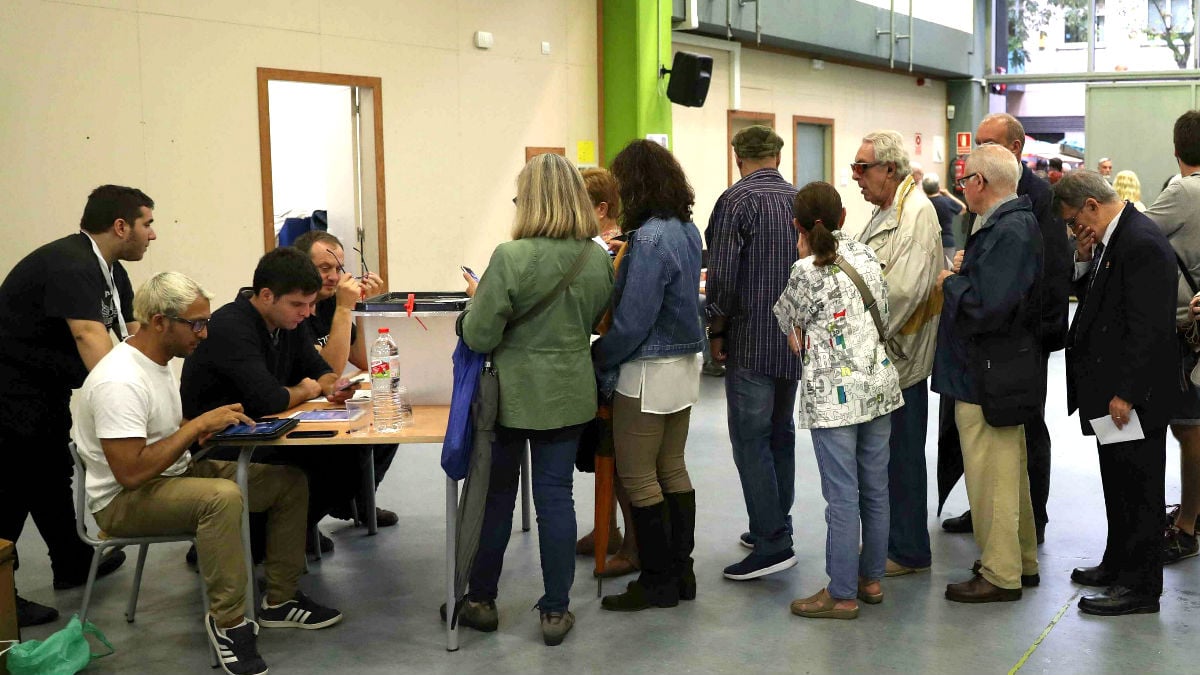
585	153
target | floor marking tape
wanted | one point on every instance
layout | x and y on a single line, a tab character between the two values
1049	627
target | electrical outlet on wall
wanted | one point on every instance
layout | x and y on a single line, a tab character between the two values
545	48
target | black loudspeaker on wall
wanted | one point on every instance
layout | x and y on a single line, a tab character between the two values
690	76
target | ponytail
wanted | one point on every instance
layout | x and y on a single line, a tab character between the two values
818	210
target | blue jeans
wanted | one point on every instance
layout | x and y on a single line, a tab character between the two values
853	462
553	466
762	432
908	481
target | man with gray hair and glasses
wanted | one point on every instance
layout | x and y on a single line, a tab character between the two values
1123	365
1004	130
142	481
905	234
989	361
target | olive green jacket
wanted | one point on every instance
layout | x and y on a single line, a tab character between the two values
544	364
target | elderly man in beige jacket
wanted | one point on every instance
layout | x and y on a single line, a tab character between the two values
905	234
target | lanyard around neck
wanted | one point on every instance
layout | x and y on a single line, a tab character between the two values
119	324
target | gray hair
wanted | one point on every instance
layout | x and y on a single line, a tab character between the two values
889	147
1013	129
998	165
166	293
930	185
1075	188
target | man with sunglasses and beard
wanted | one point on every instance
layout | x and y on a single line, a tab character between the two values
337	337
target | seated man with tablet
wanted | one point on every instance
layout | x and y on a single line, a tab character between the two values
141	480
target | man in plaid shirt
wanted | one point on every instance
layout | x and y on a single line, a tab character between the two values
751	247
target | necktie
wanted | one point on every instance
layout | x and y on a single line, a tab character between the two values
1097	253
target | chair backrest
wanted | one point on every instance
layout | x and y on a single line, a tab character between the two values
81	511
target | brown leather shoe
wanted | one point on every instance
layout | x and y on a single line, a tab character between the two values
979	589
587	543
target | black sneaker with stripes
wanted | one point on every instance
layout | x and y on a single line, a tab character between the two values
299	612
237	649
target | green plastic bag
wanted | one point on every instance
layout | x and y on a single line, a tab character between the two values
65	652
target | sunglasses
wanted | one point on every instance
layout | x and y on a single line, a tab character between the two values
859	168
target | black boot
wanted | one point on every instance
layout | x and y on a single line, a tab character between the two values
682	506
656	587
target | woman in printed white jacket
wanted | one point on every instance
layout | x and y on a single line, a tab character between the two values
848	391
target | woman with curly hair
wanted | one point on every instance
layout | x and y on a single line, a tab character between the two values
650	360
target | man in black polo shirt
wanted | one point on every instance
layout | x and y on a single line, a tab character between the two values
260	353
337	338
57	306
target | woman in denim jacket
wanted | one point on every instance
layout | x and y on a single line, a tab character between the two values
650	361
848	391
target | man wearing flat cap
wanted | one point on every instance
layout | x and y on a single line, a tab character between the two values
751	247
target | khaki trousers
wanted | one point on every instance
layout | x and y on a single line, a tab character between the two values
994	465
649	451
206	501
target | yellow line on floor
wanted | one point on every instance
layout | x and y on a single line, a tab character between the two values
1049	627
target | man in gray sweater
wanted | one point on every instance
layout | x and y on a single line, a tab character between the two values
1177	214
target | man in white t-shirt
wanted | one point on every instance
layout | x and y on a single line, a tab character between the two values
141	480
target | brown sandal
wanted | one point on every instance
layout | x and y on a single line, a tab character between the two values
869	598
822	606
617	566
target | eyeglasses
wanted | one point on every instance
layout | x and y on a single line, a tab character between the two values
859	168
961	183
197	325
1070	222
340	268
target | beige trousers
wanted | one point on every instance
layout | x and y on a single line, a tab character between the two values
206	501
649	451
994	461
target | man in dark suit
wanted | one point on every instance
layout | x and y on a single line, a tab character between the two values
1121	360
1005	130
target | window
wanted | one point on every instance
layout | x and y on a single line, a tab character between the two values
1160	12
1075	21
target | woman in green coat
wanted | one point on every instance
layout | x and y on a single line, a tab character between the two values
547	386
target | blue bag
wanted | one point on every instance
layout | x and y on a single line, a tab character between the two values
456	448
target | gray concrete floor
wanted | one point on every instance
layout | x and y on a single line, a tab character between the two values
389	588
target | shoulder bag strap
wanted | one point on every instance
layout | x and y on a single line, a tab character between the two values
556	291
1186	274
872	306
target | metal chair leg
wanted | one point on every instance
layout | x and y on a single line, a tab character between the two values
316	538
131	610
91	581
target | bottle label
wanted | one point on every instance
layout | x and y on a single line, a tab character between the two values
380	369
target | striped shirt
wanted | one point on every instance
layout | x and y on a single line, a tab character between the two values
751	248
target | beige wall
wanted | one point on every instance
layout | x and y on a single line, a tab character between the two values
161	94
857	99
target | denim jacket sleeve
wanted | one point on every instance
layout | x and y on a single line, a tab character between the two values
643	279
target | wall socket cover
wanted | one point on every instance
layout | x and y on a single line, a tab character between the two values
545	48
484	39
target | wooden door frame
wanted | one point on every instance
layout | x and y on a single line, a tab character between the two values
822	121
731	115
265	75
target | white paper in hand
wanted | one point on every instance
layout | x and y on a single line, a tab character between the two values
1107	432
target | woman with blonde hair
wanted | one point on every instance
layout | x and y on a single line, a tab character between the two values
1129	188
534	310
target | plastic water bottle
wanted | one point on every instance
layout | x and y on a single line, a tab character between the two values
385	383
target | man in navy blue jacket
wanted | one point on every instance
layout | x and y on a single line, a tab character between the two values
1005	130
993	298
1122	362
